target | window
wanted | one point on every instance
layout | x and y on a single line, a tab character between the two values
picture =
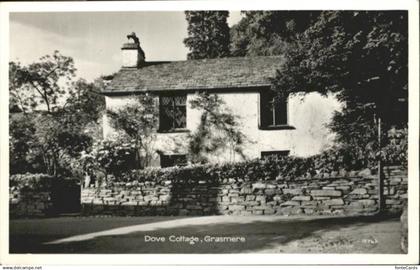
172	160
273	110
274	154
172	112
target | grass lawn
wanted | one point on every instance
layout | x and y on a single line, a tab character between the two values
266	234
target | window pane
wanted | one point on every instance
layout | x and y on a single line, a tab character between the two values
173	160
166	120
280	106
166	113
165	161
165	101
273	110
266	110
180	117
173	112
180	100
180	160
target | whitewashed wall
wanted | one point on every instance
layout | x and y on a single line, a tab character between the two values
308	114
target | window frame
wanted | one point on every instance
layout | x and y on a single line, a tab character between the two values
172	96
263	110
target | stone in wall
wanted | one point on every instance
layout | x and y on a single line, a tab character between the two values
29	203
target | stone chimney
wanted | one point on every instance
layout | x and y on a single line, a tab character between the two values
132	54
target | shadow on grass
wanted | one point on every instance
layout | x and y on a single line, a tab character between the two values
258	235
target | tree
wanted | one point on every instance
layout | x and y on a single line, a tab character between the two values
208	34
268	32
41	83
58	139
44	142
57	131
85	102
21	137
361	56
218	128
138	121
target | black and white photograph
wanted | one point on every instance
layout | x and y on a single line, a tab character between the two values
211	131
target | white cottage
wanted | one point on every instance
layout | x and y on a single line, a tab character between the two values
296	126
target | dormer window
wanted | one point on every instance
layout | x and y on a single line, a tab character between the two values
273	111
172	113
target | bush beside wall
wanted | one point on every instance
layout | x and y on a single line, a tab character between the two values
245	190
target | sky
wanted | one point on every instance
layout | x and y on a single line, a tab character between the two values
94	39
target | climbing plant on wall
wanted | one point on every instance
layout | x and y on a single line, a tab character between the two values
137	122
218	129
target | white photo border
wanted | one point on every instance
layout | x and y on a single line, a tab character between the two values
221	259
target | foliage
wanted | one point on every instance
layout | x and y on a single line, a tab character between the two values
54	139
48	139
21	138
361	56
208	34
356	134
334	162
287	168
42	142
268	32
396	150
108	157
138	121
34	182
41	83
254	170
84	102
218	128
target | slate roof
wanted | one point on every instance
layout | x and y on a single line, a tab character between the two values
221	73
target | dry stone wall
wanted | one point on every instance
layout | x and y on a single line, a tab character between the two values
39	195
29	203
30	195
328	194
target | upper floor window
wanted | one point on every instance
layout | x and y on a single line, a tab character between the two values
172	112
273	110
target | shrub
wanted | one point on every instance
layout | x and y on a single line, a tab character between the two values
109	157
286	168
115	157
218	129
396	150
138	122
23	155
35	182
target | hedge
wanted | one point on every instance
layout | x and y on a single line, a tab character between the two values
40	182
28	181
284	168
335	161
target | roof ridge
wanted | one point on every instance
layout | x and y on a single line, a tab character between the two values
215	59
